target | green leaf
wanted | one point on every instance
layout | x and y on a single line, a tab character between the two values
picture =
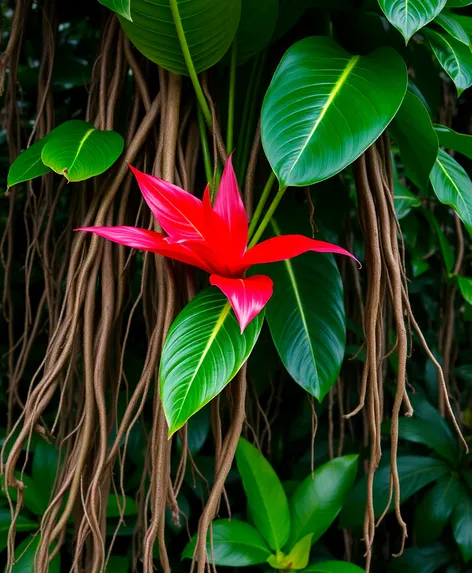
416	138
256	27
28	165
235	544
33	495
458	3
22	522
324	107
198	428
319	498
299	555
435	509
24	555
450	139
409	16
464	21
453	187
427	433
209	27
77	150
203	352
415	473
465	286
114	505
404	200
446	249
333	567
449	23
45	461
421	559
454	57
267	502
462	526
306	315
121	7
117	564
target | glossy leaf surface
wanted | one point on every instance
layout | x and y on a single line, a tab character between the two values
121	7
313	121
28	164
409	16
451	139
453	27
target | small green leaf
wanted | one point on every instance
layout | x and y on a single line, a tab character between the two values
465	286
454	57
319	498
421	559
453	187
415	472
203	352
299	555
416	138
435	509
409	16
122	7
267	502
450	139
333	567
232	544
404	200
462	526
77	150
449	22
114	505
324	107
28	165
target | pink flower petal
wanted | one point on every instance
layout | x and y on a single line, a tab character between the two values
145	240
288	246
230	207
179	213
247	296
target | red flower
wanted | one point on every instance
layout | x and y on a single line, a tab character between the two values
212	238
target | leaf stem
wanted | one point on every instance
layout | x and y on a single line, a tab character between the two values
188	60
205	147
268	215
232	89
261	204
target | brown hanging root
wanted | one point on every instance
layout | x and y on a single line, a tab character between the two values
386	289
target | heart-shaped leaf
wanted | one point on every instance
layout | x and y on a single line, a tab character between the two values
267	502
450	139
415	472
256	27
319	498
78	150
203	351
28	165
409	16
324	107
232	544
306	314
449	22
454	57
121	7
209	27
453	187
416	138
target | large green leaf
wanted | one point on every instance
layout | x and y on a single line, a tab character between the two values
232	544
256	27
78	150
415	472
121	7
267	502
28	165
209	27
435	509
324	107
462	526
333	567
453	187
449	22
203	351
416	138
454	57
421	559
319	498
306	314
409	16
450	139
